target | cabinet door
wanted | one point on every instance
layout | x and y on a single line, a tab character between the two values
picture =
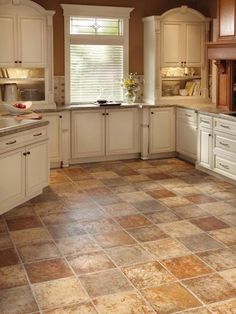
194	44
205	148
187	138
172	44
162	130
122	131
12	179
54	133
88	133
8	41
37	167
31	41
226	18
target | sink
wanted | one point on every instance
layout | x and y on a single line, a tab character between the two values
10	122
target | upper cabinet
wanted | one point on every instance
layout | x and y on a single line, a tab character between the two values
227	19
182	44
26	55
24	39
175	56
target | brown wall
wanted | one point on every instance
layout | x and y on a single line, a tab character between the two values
142	8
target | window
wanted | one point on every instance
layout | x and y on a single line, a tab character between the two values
96	45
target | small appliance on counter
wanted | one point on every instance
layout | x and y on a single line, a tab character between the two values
10	93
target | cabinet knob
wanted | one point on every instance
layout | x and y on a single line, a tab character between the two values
209	135
103	114
20	61
16	61
24	154
152	112
28	153
60	117
107	114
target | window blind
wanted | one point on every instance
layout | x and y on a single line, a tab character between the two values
96	72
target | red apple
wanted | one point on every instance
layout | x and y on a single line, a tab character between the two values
19	105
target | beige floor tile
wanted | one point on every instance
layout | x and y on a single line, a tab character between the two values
114	239
146	234
200	242
30	253
123	303
135	197
175	201
30	236
211	288
87	308
226	236
59	293
12	276
166	248
147	275
227	307
170	298
218	208
219	259
120	209
229	275
180	229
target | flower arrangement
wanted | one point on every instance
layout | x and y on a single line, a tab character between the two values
131	84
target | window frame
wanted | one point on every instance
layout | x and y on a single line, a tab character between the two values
88	11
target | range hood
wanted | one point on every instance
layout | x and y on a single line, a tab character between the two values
225	50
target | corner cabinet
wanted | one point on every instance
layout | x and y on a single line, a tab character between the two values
175	56
24	167
105	132
162	130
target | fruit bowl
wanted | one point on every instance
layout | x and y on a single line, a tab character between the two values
19	107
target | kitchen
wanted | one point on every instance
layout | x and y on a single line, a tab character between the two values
139	213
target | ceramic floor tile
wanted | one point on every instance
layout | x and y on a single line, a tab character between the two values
3	226
24	211
104	175
76	245
122	303
229	275
147	275
17	301
218	208
226	236
105	282
162	216
166	248
23	223
147	234
30	253
200	242
91	262
149	206
160	193
128	255
30	236
89	184
219	259
134	197
114	239
120	209
229	219
101	226
124	189
227	307
87	308
191	211
59	293
65	230
211	288
180	229
209	223
186	267
5	241
159	176
170	298
133	221
147	185
225	195
47	270
12	276
200	199
199	310
136	178
186	190
49	208
175	201
8	257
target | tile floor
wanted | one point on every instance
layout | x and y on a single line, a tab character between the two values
129	237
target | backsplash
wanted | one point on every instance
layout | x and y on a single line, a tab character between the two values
59	90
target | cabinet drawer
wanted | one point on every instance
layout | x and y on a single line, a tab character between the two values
225	166
205	121
189	115
225	126
225	142
15	140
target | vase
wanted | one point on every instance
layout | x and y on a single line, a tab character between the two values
130	97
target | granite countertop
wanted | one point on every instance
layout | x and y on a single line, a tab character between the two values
9	125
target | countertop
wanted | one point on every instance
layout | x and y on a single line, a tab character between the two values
13	126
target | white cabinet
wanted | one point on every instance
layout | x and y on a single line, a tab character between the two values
187	133
24	167
205	148
105	132
122	131
182	44
23	39
162	130
88	133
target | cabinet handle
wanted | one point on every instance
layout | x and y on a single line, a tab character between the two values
38	134
225	126
188	115
10	143
224	166
224	144
204	121
16	61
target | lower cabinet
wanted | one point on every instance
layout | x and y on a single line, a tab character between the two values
105	132
187	133
162	130
24	170
205	147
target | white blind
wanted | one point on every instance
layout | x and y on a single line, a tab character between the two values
96	72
